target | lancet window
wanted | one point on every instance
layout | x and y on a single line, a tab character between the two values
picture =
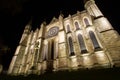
94	40
77	25
82	44
71	46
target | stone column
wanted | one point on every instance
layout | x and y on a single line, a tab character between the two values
62	50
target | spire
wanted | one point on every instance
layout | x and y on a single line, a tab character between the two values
54	19
61	14
29	24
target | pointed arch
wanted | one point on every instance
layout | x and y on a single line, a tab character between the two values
94	40
77	25
68	28
82	44
71	48
86	21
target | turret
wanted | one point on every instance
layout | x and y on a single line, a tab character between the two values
92	8
41	31
61	21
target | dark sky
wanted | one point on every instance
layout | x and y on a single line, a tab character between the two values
14	15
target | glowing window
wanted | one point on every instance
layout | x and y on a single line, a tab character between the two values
94	40
77	26
82	44
71	46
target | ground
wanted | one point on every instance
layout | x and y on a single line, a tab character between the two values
92	74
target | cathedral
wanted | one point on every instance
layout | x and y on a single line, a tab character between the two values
83	40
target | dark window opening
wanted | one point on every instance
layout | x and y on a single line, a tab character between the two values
36	55
50	57
86	22
94	41
68	29
52	50
77	26
82	44
71	47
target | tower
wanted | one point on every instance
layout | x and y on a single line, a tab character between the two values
109	36
92	8
83	40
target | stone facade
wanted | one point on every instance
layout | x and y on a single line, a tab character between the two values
83	40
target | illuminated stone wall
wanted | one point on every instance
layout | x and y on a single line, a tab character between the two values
82	40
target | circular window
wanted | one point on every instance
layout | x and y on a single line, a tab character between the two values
53	31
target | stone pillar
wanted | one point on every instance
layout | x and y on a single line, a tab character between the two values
13	60
62	48
110	38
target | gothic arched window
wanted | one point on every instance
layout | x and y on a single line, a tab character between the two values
77	26
86	21
71	46
68	28
82	44
94	40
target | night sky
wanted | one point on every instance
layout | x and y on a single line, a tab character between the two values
15	14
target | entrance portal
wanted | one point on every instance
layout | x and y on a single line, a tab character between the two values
50	56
